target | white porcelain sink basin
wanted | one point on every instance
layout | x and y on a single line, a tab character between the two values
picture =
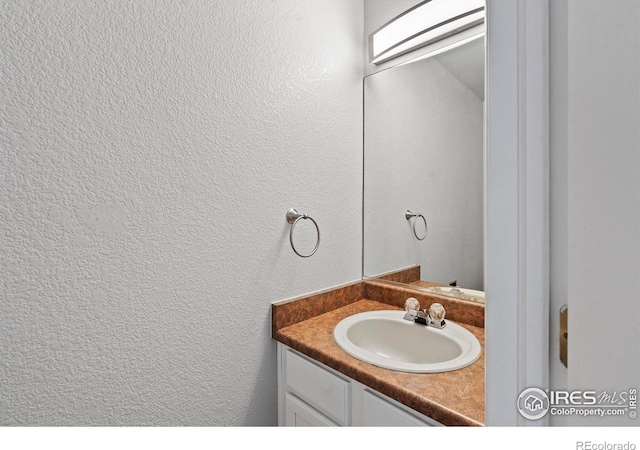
385	339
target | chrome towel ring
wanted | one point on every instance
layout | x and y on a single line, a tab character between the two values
293	217
408	215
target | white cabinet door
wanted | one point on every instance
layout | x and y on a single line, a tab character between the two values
317	386
379	412
299	414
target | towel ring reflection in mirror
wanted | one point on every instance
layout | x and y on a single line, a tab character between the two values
293	217
408	215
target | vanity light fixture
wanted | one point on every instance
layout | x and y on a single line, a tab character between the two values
424	24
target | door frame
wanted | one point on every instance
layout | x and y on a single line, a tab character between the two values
517	206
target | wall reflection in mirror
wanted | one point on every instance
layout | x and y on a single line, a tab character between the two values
423	152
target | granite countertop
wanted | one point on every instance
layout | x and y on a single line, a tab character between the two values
453	398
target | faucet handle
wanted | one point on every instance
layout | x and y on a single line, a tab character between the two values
412	308
411	304
437	312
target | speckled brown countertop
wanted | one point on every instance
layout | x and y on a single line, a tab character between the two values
452	398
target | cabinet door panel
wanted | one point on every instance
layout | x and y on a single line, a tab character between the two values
318	387
299	414
378	412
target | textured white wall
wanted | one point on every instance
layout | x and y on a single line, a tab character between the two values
150	151
423	152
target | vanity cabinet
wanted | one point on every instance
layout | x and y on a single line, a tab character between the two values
313	394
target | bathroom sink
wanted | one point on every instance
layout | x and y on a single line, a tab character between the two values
385	339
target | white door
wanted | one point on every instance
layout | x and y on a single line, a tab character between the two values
595	205
603	199
592	211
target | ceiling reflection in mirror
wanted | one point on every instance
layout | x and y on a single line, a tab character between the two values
423	172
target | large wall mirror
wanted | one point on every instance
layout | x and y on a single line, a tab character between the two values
424	153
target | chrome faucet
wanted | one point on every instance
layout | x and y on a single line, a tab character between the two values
433	318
